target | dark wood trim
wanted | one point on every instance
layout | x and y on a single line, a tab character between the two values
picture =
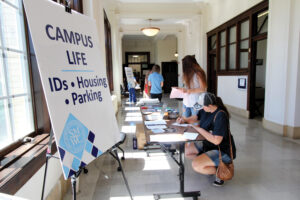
108	51
232	73
30	71
128	53
227	49
250	15
260	37
75	5
12	178
238	43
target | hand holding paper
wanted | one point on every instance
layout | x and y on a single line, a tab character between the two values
176	93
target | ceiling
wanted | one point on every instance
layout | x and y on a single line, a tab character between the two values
169	15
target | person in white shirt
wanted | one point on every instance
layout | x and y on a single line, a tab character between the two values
194	79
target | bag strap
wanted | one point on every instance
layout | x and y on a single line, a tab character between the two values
229	132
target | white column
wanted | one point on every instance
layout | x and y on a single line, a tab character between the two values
282	75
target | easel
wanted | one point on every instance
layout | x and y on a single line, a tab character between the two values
113	151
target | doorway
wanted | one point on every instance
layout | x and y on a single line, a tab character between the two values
170	74
212	74
259	79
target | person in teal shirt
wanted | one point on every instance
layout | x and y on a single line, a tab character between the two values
156	81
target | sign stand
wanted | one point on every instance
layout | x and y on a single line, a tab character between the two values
113	152
121	168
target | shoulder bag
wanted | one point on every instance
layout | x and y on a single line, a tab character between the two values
225	171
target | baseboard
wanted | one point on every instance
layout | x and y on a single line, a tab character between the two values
292	132
283	130
238	111
273	127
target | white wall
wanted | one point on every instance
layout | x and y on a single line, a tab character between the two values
282	65
165	49
230	93
220	11
33	188
139	45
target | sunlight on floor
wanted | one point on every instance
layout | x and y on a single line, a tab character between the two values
133	114
156	160
133	119
128	129
156	163
132	108
150	197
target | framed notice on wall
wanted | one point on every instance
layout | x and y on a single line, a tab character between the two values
73	76
242	83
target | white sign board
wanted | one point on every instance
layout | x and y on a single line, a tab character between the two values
130	77
74	80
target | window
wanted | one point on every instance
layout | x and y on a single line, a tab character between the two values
232	48
16	113
223	50
244	44
233	41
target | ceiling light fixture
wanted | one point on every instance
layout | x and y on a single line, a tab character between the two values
176	54
150	31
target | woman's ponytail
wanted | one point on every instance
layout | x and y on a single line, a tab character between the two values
221	105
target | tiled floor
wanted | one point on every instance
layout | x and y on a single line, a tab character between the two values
267	167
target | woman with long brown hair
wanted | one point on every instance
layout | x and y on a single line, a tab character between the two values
194	79
213	125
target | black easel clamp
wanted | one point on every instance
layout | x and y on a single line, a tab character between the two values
68	6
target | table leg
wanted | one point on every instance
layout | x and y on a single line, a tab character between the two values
181	193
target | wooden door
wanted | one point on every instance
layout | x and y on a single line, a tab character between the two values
170	74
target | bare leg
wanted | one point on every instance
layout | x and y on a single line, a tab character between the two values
204	165
191	151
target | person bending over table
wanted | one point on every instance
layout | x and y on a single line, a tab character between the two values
213	126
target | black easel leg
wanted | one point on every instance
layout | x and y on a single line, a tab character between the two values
73	181
124	177
45	175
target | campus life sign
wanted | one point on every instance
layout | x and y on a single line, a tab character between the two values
74	80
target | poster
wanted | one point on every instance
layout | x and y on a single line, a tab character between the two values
73	76
130	77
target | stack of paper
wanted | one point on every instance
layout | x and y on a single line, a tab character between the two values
157	124
158	130
182	125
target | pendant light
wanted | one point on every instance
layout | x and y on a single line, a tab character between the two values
150	31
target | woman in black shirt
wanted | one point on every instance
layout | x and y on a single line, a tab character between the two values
213	126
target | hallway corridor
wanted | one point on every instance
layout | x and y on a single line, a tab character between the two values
267	167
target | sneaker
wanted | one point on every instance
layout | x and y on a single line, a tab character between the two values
218	182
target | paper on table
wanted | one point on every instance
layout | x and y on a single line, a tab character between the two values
166	138
153	117
156	122
156	126
183	125
158	130
190	136
176	93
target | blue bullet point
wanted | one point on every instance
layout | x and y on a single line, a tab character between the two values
67	101
72	84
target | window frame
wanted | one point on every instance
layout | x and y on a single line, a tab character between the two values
14	172
236	21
